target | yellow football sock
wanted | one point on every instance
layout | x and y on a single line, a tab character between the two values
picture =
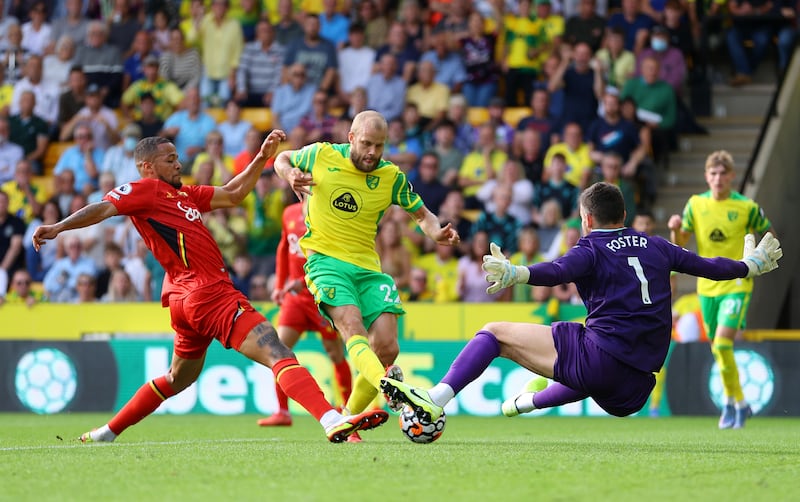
363	394
658	390
722	349
365	361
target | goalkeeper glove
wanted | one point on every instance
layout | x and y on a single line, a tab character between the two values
500	272
762	258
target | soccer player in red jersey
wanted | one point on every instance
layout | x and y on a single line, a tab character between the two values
202	300
299	312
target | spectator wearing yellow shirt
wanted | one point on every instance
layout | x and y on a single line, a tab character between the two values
25	198
221	44
431	97
552	29
441	267
167	94
528	254
214	154
523	45
577	155
480	165
21	291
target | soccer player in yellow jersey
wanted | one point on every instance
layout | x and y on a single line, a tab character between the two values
719	219
349	187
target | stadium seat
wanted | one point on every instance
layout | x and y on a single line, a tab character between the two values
261	118
53	153
477	116
45	183
218	114
512	116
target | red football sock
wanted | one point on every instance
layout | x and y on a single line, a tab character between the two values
298	384
344	379
144	402
283	399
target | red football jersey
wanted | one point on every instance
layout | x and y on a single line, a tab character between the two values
169	220
290	258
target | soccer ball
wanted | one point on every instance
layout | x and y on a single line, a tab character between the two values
420	431
45	380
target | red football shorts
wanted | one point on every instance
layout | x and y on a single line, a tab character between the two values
300	313
216	311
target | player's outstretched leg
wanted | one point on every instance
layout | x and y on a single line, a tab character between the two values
143	403
523	402
415	397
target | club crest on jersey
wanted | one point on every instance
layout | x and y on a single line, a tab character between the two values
346	204
733	215
372	181
330	293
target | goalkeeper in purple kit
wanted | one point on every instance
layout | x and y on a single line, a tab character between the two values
623	278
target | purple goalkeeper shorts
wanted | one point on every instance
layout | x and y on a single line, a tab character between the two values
581	365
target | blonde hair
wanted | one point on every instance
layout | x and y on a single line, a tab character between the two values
368	119
720	158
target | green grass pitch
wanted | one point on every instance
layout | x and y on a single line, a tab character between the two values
200	457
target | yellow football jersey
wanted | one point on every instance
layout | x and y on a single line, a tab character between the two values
346	204
719	227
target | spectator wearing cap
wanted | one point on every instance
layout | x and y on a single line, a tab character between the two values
671	61
449	63
221	44
429	95
118	160
100	118
355	63
101	62
259	70
167	95
133	68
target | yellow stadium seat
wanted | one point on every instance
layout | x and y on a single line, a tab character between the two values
46	183
261	118
512	116
218	114
53	153
477	116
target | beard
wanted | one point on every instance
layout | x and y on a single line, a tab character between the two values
361	165
175	185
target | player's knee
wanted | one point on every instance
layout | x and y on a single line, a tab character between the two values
180	380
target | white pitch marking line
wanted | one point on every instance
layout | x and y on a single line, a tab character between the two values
142	443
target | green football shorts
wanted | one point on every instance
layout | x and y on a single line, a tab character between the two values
724	310
338	283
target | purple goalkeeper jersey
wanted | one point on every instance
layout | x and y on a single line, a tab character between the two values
623	278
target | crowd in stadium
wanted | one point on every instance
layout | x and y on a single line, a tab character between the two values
500	113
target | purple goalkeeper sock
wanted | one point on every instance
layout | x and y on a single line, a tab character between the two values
472	360
557	394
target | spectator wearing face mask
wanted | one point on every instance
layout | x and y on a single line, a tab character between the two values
118	160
